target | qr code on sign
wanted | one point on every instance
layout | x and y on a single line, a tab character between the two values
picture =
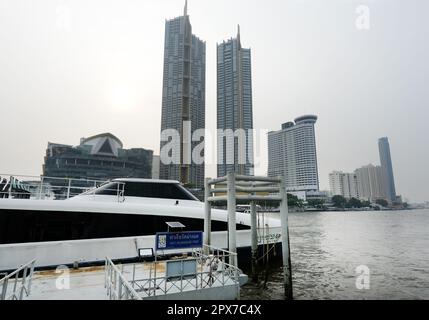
162	241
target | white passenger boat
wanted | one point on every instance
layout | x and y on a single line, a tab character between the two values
115	219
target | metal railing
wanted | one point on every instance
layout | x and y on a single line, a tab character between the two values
215	254
212	271
118	288
44	187
13	286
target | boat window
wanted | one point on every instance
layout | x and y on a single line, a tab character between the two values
155	190
110	189
18	226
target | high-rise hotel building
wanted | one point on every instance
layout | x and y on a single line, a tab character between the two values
292	154
234	108
183	98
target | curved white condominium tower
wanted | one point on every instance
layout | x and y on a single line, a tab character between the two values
292	154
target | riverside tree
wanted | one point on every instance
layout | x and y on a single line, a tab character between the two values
339	201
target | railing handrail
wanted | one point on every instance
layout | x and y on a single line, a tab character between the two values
210	247
49	177
220	257
122	280
16	186
22	267
224	264
202	279
24	286
224	274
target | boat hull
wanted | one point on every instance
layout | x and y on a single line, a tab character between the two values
66	232
95	251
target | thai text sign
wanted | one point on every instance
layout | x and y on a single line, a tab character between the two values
179	240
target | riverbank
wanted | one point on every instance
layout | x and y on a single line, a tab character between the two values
297	210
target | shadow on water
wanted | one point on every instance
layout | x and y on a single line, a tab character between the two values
269	285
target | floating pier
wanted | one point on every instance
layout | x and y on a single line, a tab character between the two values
252	190
199	276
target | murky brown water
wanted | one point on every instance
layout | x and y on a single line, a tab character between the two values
328	246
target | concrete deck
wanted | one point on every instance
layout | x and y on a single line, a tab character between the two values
89	284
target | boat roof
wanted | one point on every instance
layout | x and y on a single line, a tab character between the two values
145	180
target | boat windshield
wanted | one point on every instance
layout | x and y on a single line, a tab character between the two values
145	190
111	189
157	190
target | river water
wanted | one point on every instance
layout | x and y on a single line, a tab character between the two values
327	247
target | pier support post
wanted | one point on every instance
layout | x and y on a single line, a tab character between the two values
287	267
254	237
232	228
207	217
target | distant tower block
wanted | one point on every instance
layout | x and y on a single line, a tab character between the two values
234	107
183	97
386	165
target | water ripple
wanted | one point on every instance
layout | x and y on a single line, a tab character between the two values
326	248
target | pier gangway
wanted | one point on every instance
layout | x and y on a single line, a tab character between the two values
17	285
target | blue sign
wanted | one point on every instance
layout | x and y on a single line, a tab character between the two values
179	240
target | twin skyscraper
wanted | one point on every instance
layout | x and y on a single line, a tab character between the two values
184	102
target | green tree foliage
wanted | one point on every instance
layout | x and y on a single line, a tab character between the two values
294	201
354	203
316	203
366	204
339	201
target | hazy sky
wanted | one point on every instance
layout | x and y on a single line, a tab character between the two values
71	69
